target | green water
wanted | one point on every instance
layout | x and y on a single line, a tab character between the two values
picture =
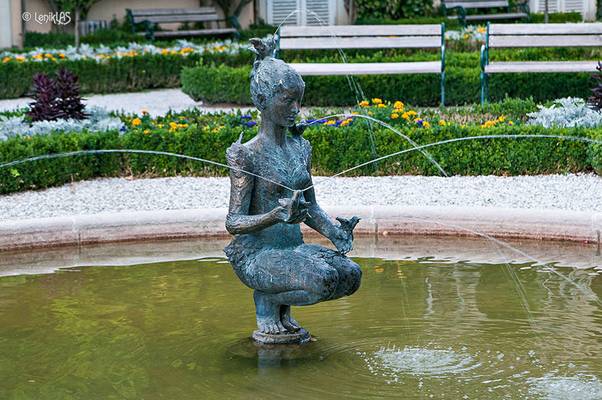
414	330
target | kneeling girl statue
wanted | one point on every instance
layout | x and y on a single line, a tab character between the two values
268	253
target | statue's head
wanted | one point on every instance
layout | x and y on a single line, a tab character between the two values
276	88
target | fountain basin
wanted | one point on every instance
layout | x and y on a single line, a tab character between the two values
578	226
436	317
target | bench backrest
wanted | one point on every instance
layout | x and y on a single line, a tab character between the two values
159	15
466	4
544	35
360	37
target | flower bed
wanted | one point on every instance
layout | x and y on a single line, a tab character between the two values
338	143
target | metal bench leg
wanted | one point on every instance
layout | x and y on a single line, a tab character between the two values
443	89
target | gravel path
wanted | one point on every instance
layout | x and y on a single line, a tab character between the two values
156	102
568	192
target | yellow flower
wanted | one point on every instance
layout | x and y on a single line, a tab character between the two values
481	29
394	116
164	52
38	56
412	113
61	55
370	113
6	59
48	55
173	126
136	121
398	105
426	124
346	122
488	124
330	122
376	100
146	131
20	58
381	105
442	122
186	50
510	123
501	118
364	103
405	116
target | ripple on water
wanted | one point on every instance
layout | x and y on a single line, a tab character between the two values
578	387
419	361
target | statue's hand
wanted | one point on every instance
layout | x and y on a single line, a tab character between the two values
293	210
298	129
343	236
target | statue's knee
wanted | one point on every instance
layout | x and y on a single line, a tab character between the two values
355	277
328	282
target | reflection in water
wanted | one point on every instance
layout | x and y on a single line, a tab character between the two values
416	329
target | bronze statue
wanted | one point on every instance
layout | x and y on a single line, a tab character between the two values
268	253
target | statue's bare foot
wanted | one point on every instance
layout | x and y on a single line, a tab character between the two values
287	320
268	314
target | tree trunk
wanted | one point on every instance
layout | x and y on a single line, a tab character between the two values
77	27
546	14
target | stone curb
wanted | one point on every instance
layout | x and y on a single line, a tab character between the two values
389	220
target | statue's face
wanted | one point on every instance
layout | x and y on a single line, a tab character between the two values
284	107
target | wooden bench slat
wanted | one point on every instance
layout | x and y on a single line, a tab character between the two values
496	16
360	30
542	66
360	43
545	41
195	32
181	18
546	29
171	11
368	68
477	4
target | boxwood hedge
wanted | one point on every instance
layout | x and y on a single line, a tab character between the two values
334	149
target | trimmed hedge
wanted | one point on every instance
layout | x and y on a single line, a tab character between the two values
115	75
334	149
222	84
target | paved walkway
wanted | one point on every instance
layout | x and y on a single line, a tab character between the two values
156	102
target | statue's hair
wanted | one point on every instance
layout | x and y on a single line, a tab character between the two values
268	72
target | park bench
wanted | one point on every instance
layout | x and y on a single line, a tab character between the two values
537	35
462	6
366	37
150	18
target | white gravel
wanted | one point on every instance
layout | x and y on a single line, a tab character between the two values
155	102
581	192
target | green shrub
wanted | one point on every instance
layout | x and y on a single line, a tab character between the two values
52	172
557	17
334	149
114	75
393	9
231	85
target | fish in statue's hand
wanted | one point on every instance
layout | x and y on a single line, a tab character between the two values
347	226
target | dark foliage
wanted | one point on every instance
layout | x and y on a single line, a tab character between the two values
69	102
595	99
45	107
56	98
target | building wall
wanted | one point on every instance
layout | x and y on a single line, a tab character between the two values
10	24
109	9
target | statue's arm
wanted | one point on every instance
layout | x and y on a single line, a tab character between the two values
238	220
317	218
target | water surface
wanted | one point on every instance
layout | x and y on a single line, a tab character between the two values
415	330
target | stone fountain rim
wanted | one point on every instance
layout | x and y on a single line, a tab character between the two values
511	223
